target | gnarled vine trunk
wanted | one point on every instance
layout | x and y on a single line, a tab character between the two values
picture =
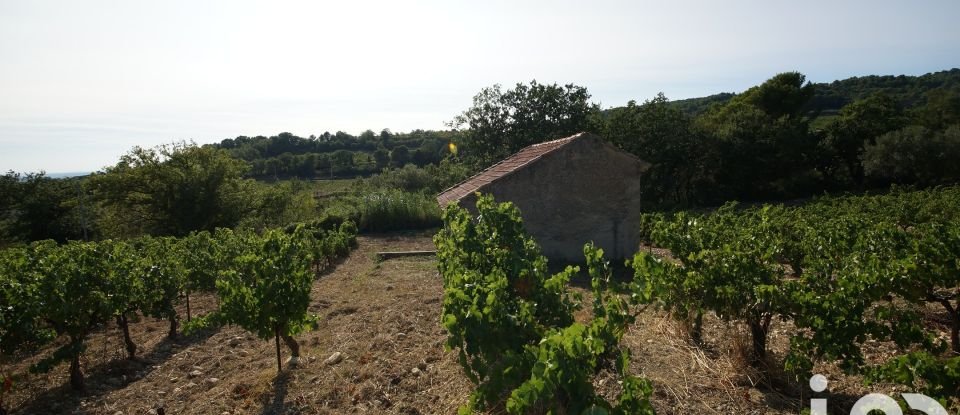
758	336
174	324
292	344
76	373
125	327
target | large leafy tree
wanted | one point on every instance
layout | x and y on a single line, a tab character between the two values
660	133
35	207
400	156
861	123
941	110
763	138
173	190
914	155
501	122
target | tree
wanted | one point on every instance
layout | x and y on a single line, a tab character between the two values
763	138
173	190
942	108
661	134
385	137
382	158
915	155
35	207
861	123
307	165
400	156
502	122
342	160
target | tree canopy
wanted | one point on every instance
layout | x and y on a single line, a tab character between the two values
173	190
501	122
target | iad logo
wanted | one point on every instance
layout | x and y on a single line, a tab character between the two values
876	402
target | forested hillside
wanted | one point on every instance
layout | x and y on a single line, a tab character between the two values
908	91
337	155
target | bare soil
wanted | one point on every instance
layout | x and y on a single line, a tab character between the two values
382	318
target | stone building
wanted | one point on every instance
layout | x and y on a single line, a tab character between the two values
570	191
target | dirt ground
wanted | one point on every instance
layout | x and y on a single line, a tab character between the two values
382	320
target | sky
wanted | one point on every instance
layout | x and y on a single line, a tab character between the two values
82	82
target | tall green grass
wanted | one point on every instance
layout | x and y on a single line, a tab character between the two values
389	210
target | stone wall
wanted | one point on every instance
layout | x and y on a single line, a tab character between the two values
585	191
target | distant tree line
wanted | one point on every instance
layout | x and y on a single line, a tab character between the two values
770	142
337	155
829	98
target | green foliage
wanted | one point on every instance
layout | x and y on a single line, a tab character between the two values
172	190
933	375
400	156
787	138
75	293
512	323
763	139
266	288
942	108
335	155
845	271
501	122
388	210
278	204
728	265
198	252
20	325
915	155
71	289
860	123
264	281
382	158
566	359
662	135
431	179
34	207
164	278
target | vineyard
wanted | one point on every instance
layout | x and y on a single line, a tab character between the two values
845	273
262	283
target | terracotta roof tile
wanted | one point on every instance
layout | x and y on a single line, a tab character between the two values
506	166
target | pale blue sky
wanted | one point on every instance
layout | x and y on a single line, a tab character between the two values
81	82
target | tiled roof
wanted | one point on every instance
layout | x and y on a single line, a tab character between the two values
506	166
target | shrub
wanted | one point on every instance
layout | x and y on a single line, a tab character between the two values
430	179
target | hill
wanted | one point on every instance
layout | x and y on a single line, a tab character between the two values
909	91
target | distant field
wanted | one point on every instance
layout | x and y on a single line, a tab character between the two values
330	187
